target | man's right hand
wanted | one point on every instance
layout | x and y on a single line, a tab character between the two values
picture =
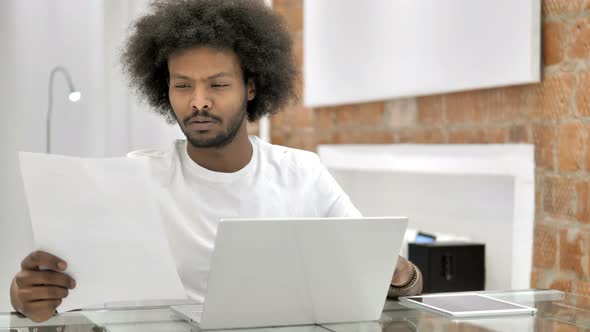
37	293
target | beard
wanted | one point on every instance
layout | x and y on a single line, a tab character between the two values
223	138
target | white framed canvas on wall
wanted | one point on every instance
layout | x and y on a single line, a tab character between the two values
366	50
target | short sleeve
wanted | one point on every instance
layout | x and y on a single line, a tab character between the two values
331	199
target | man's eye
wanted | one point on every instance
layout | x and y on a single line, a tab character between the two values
181	86
219	85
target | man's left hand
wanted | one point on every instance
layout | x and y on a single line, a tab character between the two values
406	280
403	272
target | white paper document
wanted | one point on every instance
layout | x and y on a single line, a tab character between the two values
102	218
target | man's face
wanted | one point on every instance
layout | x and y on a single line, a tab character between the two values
208	95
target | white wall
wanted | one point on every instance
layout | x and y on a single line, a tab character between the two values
22	104
129	125
75	30
84	36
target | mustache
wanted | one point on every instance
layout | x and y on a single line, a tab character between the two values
201	114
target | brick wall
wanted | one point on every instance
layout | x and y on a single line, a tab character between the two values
553	115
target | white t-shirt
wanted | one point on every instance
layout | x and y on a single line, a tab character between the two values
277	182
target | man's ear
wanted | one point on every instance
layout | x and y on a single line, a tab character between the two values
251	89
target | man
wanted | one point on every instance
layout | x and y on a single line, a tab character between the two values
211	66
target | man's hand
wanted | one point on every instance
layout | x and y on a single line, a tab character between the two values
406	280
37	293
403	272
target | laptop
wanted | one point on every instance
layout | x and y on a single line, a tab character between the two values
281	272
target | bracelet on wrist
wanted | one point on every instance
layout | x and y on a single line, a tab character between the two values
411	283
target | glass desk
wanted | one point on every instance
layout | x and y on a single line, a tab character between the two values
557	311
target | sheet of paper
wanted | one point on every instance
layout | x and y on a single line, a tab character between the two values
102	218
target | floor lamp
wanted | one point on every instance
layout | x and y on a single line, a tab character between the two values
73	96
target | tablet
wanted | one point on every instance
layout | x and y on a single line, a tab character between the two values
466	305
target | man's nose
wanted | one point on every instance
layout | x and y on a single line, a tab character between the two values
200	99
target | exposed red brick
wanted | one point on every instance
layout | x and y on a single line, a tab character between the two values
572	246
553	43
253	128
562	285
376	107
518	134
370	114
545	246
281	119
538	202
292	13
324	137
561	7
495	135
429	325
430	110
422	136
564	327
401	113
278	137
276	120
345	115
466	136
298	53
303	117
463	107
579	47
324	117
570	151
583	94
302	139
501	105
363	137
477	136
539	188
582	290
583	201
543	138
536	276
585	236
558	196
552	98
299	85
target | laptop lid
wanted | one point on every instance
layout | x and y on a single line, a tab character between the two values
276	272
